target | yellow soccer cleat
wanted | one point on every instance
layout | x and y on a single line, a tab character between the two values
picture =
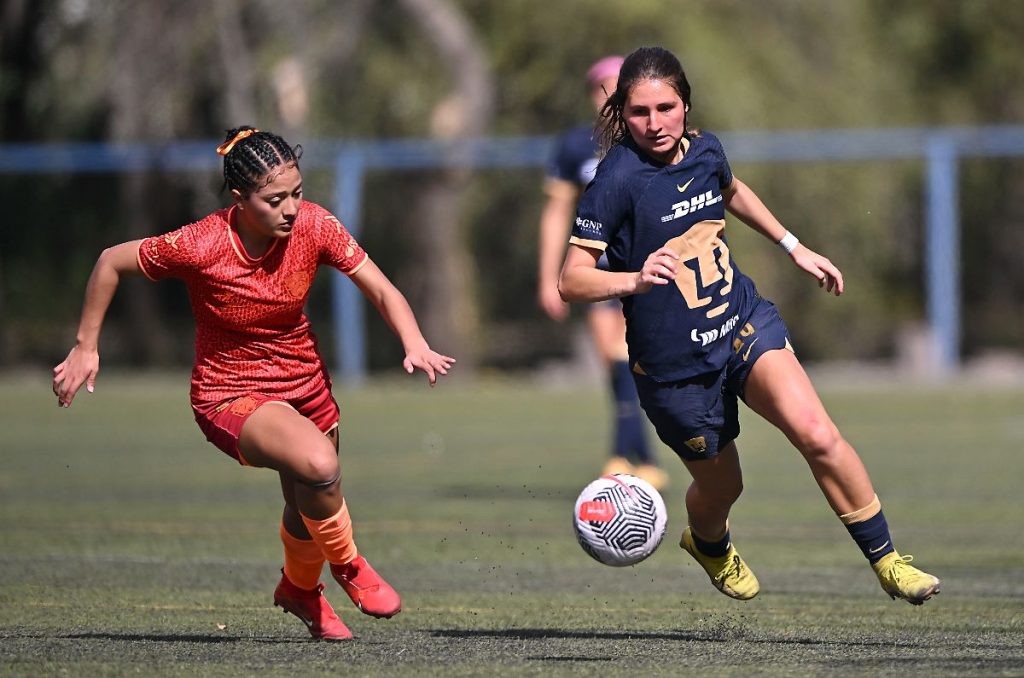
728	573
900	579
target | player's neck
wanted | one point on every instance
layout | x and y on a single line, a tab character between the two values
255	243
255	246
680	152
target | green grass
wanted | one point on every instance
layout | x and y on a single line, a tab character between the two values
130	545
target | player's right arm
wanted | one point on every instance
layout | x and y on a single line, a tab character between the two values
582	281
601	212
555	223
83	362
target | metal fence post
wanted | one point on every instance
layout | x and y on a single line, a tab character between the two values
942	246
346	300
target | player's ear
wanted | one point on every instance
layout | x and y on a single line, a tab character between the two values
237	196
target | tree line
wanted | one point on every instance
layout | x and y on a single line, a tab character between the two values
462	243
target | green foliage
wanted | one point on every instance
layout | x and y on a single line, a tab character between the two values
772	65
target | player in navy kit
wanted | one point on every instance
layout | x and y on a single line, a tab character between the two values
570	170
700	336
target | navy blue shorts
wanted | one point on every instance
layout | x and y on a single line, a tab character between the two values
698	416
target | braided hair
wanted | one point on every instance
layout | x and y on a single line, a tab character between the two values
251	156
645	63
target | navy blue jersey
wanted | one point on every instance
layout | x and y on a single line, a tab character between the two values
636	205
575	156
575	160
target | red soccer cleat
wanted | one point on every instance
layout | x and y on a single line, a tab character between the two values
370	593
312	608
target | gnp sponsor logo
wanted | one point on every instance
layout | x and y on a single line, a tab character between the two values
589	225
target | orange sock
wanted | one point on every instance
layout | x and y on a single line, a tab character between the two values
334	536
303	560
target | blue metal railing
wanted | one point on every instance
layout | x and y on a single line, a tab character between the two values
940	148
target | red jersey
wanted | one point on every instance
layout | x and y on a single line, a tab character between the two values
251	332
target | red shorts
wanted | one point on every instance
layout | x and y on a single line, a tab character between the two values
221	422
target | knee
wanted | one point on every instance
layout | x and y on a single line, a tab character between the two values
731	492
721	495
817	439
320	467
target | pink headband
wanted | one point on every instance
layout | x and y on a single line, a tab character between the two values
605	68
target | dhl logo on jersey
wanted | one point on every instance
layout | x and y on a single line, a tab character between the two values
684	207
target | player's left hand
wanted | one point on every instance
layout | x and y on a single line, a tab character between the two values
431	362
828	276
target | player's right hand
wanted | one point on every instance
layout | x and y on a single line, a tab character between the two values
80	367
658	269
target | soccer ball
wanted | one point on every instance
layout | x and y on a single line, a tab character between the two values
619	519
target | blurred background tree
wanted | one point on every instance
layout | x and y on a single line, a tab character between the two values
462	244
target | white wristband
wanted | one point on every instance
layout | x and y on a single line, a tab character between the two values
789	242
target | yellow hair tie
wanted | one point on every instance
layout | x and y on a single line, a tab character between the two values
226	147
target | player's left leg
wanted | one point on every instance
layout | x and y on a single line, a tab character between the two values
778	389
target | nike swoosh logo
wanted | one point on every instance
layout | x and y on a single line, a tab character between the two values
879	548
749	349
682	189
298	613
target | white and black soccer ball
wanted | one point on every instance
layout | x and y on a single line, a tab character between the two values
619	519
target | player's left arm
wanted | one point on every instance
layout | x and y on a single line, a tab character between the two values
394	308
743	203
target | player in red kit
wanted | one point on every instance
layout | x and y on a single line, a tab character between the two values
260	390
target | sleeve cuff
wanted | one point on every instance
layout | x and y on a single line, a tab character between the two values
590	244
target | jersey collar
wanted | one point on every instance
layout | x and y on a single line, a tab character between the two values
236	242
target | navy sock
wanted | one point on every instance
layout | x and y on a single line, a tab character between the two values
630	439
872	536
715	549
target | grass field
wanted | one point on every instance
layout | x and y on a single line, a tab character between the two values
130	545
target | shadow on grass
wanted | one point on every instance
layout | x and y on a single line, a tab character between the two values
727	636
167	637
559	634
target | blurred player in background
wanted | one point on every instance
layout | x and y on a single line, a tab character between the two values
260	389
700	336
568	173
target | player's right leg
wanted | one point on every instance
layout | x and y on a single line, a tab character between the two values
699	421
299	591
278	437
717	484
